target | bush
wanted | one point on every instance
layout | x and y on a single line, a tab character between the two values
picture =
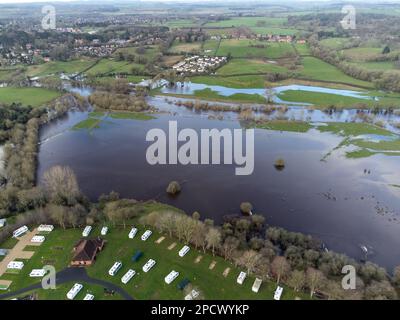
173	188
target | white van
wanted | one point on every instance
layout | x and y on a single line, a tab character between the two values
192	295
37	273
20	231
149	264
38	239
45	228
77	287
256	285
17	265
171	276
104	231
278	293
183	251
88	297
241	277
115	268
86	231
128	276
146	235
132	233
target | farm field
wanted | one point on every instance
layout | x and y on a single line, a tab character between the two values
302	49
255	66
179	47
254	49
210	47
361	53
335	43
250	81
322	99
57	67
316	69
258	25
378	66
237	97
106	66
27	96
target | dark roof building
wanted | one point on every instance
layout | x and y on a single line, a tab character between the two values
85	251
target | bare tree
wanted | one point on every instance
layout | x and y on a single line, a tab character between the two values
314	279
58	214
229	246
249	259
297	280
199	235
61	185
213	239
280	267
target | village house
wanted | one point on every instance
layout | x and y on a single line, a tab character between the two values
85	251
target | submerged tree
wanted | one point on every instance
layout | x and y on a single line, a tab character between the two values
246	207
174	188
279	164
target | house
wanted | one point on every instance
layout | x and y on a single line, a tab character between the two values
85	251
2	222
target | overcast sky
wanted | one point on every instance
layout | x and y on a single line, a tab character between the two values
273	1
25	1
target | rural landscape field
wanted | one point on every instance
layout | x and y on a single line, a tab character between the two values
110	188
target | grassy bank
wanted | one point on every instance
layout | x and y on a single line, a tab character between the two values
27	96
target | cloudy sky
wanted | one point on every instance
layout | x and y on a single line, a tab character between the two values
25	1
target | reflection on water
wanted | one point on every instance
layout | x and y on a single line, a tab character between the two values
344	202
296	113
190	88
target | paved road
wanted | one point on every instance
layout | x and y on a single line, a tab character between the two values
71	275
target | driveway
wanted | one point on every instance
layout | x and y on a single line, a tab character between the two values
71	275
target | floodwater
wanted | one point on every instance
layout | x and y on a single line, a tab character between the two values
190	88
344	202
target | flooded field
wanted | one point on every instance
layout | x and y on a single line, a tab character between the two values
344	202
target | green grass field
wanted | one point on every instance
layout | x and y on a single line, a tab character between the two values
250	81
178	47
283	125
237	97
316	69
106	66
247	49
57	67
302	49
243	66
27	96
353	134
335	43
361	53
258	25
377	66
321	99
95	119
